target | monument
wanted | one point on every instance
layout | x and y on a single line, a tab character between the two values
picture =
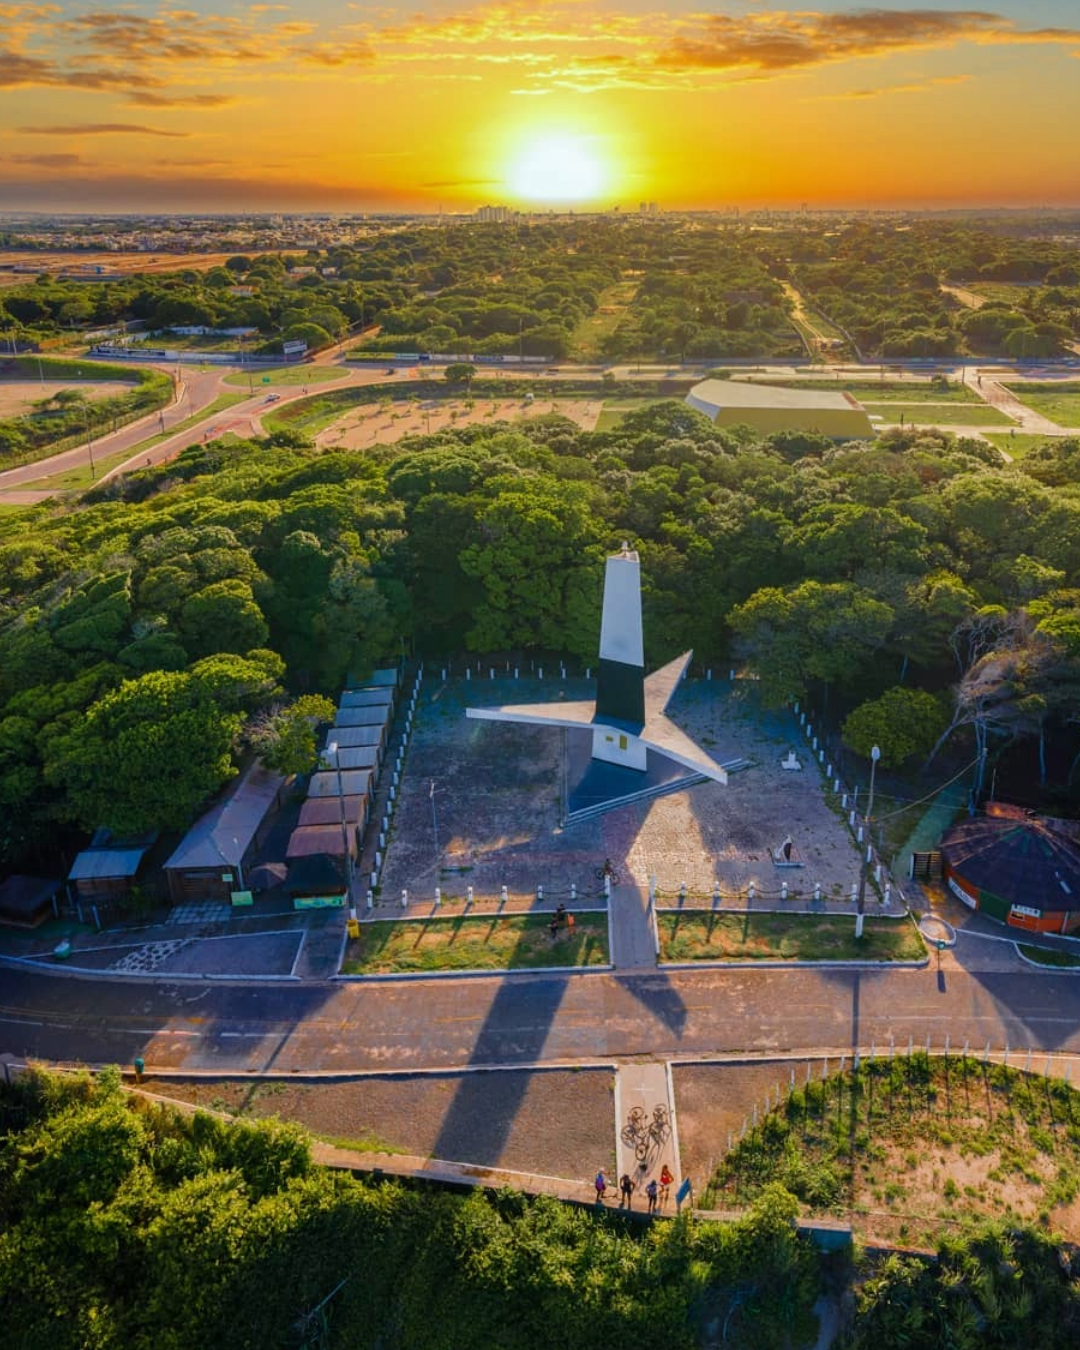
622	746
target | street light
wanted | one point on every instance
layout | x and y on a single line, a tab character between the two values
89	441
434	825
875	755
332	749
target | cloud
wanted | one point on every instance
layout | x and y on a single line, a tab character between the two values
782	40
98	129
144	99
916	87
19	70
57	161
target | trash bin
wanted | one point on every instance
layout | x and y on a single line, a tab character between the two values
140	1065
62	950
352	927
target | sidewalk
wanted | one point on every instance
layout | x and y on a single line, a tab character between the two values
633	942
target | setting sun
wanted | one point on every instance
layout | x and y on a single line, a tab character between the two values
558	168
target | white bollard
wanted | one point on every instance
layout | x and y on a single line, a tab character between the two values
851	819
540	893
843	802
821	755
491	672
503	896
573	892
352	913
444	675
516	672
540	672
378	860
815	743
796	707
682	894
404	899
392	796
802	719
869	854
588	672
652	890
783	890
836	786
858	836
370	899
828	772
716	894
750	891
877	873
888	892
397	778
382	841
468	895
468	674
607	886
438	896
854	891
817	890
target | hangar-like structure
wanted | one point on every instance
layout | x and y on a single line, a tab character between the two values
769	408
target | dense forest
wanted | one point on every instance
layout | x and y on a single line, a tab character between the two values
126	1223
144	629
671	288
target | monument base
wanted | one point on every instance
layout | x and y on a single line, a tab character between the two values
594	786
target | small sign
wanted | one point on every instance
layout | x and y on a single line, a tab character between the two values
318	902
241	898
683	1192
266	379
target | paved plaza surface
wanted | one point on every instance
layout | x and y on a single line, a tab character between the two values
490	796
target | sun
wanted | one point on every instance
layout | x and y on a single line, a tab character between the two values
557	168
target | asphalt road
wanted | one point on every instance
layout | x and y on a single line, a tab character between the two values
528	1020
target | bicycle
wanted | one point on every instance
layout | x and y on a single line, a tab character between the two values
607	872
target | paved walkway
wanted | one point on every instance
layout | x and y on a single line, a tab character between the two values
633	944
645	1128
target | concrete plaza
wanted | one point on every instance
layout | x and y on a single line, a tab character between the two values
480	804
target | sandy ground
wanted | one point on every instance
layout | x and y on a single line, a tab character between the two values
19	396
557	1123
498	794
713	1100
375	425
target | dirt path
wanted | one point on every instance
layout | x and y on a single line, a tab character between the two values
820	335
969	299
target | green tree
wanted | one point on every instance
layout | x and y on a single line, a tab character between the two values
902	722
146	755
285	736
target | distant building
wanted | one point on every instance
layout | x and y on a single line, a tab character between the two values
1018	868
498	215
770	408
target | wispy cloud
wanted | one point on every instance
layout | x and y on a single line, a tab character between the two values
99	129
914	87
145	99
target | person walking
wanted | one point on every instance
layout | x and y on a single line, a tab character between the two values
665	1183
601	1186
651	1190
626	1186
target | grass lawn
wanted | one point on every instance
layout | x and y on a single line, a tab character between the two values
587	336
913	1144
929	415
890	390
481	942
615	409
711	936
1043	957
1017	443
1058	402
285	375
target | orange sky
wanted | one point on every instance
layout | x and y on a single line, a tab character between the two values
371	107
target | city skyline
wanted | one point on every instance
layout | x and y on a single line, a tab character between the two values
363	107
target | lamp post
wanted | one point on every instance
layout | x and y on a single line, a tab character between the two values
434	825
875	755
332	749
89	441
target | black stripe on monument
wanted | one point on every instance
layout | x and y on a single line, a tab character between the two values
620	691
